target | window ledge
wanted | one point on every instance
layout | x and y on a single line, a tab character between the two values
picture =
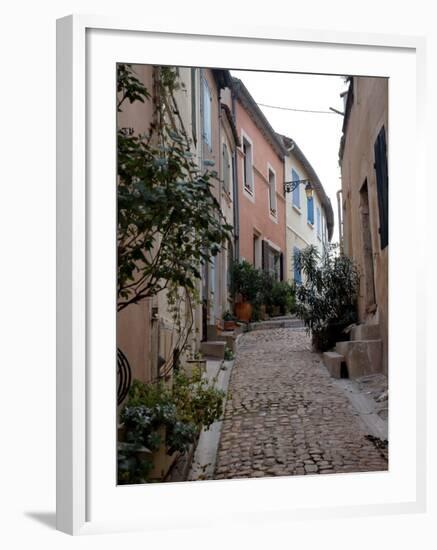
310	224
297	208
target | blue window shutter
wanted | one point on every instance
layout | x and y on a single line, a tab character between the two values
296	192
297	272
310	210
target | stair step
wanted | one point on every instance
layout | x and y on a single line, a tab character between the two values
362	356
333	361
213	348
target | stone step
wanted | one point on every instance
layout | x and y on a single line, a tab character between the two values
272	324
229	337
213	348
365	332
333	361
362	356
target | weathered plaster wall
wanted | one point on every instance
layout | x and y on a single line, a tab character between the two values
369	112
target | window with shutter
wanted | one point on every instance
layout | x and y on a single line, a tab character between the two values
319	223
310	210
296	193
272	192
226	168
381	169
207	114
247	166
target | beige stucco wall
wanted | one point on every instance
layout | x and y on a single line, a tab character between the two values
216	290
369	112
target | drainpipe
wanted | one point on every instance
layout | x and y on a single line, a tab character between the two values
235	191
340	219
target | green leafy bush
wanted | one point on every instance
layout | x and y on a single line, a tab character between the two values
197	401
282	296
326	301
245	280
191	404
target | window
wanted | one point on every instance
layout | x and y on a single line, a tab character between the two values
226	169
296	266
272	192
272	261
310	210
247	166
207	136
193	106
381	168
296	193
257	251
319	223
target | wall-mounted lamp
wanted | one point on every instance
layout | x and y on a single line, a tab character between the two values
290	186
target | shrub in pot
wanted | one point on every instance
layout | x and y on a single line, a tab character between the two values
282	296
159	423
326	301
245	282
229	321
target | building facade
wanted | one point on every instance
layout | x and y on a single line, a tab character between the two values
259	171
217	143
309	220
364	204
146	333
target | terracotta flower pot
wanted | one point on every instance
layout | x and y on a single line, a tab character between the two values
243	311
229	325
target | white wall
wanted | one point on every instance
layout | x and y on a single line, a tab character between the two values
300	233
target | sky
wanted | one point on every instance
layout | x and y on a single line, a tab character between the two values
317	134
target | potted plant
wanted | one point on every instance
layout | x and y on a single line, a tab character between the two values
282	297
326	301
229	321
245	285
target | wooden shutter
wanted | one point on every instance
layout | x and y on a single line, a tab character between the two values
381	168
225	168
206	113
296	192
310	210
265	256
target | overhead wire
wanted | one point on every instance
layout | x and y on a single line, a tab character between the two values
298	110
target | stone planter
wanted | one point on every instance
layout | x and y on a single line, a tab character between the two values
191	365
162	462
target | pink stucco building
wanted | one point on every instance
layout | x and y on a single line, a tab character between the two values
260	234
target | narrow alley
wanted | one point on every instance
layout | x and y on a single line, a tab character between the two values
285	415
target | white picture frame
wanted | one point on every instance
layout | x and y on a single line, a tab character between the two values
86	501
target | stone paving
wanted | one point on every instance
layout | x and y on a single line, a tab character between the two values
285	416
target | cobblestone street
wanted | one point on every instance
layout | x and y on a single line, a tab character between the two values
286	416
